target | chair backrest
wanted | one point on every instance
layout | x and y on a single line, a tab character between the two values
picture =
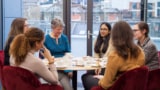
135	79
159	56
1	57
154	80
19	79
1	63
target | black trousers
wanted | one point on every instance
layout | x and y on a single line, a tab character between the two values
89	81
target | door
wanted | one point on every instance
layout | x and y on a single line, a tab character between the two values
87	15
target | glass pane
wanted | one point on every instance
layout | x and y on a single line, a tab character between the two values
153	19
79	32
40	12
78	27
110	11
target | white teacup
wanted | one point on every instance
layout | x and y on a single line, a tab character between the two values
80	62
68	55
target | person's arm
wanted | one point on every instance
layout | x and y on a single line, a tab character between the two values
110	72
48	74
150	52
96	55
68	49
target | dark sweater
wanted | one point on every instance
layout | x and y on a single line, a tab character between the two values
6	51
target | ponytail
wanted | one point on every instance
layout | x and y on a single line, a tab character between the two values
19	48
23	43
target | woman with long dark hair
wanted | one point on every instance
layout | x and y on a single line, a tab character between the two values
102	41
100	48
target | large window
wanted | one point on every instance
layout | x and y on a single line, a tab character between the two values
40	12
154	21
79	27
1	33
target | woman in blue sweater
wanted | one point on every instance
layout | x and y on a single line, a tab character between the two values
58	45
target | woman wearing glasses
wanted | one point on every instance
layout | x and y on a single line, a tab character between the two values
141	31
100	48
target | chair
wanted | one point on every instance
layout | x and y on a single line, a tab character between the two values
1	66
159	58
135	79
17	78
1	62
154	80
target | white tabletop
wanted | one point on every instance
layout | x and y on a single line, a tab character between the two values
79	63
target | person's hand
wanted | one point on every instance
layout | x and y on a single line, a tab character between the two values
46	53
70	74
59	84
98	71
98	76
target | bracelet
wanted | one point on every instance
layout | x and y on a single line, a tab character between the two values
51	62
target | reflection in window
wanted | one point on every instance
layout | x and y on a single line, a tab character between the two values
135	5
155	29
150	14
150	6
158	12
154	21
134	15
158	4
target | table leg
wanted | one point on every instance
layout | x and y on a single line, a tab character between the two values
74	80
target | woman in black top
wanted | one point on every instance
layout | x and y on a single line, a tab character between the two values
100	48
18	26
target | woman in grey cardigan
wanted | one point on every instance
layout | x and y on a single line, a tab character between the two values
141	31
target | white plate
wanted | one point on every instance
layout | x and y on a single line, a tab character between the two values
94	65
61	66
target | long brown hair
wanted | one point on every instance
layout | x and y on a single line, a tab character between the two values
17	27
23	43
122	40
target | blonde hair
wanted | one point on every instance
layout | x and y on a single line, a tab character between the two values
23	43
